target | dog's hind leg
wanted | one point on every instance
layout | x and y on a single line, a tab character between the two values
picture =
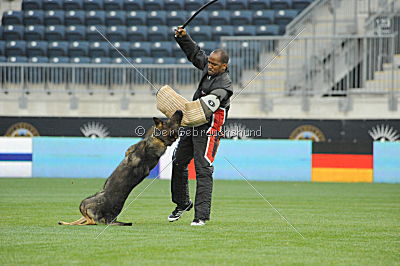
120	223
77	222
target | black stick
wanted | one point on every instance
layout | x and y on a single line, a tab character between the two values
197	12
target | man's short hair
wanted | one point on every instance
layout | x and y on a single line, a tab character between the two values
224	55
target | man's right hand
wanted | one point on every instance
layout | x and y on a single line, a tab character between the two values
180	32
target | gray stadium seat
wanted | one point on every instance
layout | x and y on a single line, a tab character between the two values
236	4
99	49
201	19
33	17
174	4
57	49
32	5
263	17
177	18
134	18
150	5
12	17
13	32
241	17
95	17
92	33
52	5
281	4
75	33
54	33
218	17
36	48
15	48
131	5
201	33
218	31
258	4
115	18
137	33
121	47
156	18
116	33
283	17
158	33
267	30
54	17
139	49
34	33
73	4
113	5
93	5
78	49
191	5
161	49
74	17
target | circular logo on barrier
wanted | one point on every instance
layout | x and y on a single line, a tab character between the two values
94	130
308	132
384	133
22	129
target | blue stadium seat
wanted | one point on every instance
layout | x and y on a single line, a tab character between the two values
73	4
219	31
33	17
93	5
139	49
220	5
165	60
301	4
54	33
92	33
201	33
143	60
156	18
131	5
192	5
15	32
74	17
208	47
283	17
122	47
54	17
17	59
38	59
15	48
263	17
267	30
12	17
52	5
153	5
113	4
59	60
78	49
177	18
121	60
137	33
258	4
101	60
174	5
116	33
34	33
96	17
236	4
219	17
80	60
244	31
201	19
99	49
36	48
75	33
32	5
281	4
2	48
57	49
161	49
158	33
134	18
182	60
115	18
241	17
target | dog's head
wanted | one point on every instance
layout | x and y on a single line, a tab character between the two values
168	131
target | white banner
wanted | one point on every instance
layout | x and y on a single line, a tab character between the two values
15	157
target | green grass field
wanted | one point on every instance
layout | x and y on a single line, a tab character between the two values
343	224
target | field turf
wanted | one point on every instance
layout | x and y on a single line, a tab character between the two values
343	224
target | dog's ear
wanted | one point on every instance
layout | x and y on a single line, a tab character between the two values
157	121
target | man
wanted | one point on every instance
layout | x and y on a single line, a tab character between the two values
201	142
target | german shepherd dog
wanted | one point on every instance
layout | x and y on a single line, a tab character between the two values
106	205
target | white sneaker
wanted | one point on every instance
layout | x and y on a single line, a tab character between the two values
198	222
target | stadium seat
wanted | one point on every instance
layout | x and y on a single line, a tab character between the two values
38	59
150	5
33	17
116	33
96	17
283	17
115	18
114	5
99	49
208	47
92	33
121	60
12	32
182	60
177	18
120	47
139	49
301	4
218	18
59	60
201	19
15	48
201	33
244	31
73	4
236	4
12	17
143	60
165	60
134	18
132	5
34	33
75	33
101	60
161	49
265	30
281	4
80	60
57	49
192	5
258	4
137	33
3	59
54	33
74	17
78	49
240	17
36	48
2	48
177	51
263	17
156	18
220	5
32	5
219	31
174	5
52	5
54	17
93	5
158	33
17	59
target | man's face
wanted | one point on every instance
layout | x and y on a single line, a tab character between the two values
215	65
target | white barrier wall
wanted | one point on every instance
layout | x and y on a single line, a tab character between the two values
15	157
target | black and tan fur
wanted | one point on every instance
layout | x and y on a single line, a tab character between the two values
106	205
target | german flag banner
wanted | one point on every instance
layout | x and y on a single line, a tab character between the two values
342	162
